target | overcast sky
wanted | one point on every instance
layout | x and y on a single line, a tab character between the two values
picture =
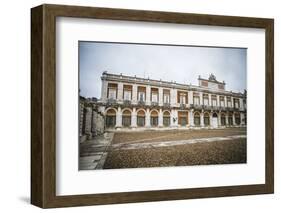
182	64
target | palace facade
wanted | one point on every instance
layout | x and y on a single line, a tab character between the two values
133	102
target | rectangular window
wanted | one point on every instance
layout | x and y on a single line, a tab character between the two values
166	96
206	99
214	100
111	93
127	92
141	94
222	101
182	97
236	103
196	100
127	95
228	102
154	97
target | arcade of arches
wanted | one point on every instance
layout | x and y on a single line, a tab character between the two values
126	118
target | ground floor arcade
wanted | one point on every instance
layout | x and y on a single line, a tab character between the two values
154	118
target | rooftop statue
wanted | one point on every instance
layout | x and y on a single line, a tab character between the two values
212	77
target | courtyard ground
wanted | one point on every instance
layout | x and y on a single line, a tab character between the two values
135	149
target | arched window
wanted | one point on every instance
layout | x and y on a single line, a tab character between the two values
154	118
166	118
222	119
197	119
141	118
110	120
237	118
206	119
126	118
230	119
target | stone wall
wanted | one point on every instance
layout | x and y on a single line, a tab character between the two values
91	120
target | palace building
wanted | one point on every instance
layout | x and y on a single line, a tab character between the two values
133	102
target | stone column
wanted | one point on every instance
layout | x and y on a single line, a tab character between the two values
147	118
241	104
104	91
135	94
202	119
160	96
173	97
134	118
201	98
219	119
190	97
233	119
242	117
191	121
175	118
160	118
148	95
119	118
211	117
120	92
226	119
171	119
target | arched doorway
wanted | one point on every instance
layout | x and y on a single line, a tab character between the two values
166	118
206	119
141	118
237	118
223	119
215	120
110	118
126	118
154	118
197	119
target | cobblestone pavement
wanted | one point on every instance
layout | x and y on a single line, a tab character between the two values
217	152
172	135
137	149
148	145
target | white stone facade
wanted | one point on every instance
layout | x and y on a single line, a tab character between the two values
132	102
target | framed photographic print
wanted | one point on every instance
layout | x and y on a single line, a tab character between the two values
136	106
